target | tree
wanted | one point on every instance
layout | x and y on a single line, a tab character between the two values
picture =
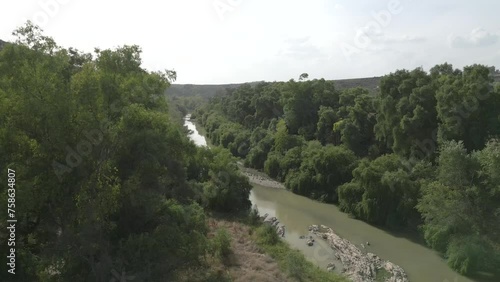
467	106
359	118
226	190
383	193
324	128
461	206
282	140
102	170
322	170
407	112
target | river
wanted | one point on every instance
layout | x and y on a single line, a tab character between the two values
297	213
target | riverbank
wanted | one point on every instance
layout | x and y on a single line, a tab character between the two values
256	253
359	265
292	261
298	212
351	265
246	261
259	178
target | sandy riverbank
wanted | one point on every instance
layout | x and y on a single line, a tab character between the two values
259	178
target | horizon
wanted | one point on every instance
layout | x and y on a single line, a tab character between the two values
217	42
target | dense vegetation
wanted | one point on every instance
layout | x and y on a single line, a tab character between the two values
422	153
107	182
206	91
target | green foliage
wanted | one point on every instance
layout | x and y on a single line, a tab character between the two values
226	189
461	206
406	111
272	165
357	126
283	141
107	179
221	244
467	106
310	136
324	132
295	266
382	275
350	195
254	216
468	254
267	235
301	104
291	260
383	193
322	170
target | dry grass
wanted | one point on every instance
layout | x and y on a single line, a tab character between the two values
253	257
247	261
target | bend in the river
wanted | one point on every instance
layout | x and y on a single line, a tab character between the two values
298	212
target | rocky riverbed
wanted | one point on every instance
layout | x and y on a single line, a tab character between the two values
359	266
355	263
274	222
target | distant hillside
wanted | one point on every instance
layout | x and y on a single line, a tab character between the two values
211	90
370	83
201	90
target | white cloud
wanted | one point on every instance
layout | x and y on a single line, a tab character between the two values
251	43
403	38
377	36
477	38
301	48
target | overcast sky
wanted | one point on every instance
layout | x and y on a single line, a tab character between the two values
227	41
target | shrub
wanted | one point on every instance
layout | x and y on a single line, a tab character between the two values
254	216
272	166
267	235
221	244
295	265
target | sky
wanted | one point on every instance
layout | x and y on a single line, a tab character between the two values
233	41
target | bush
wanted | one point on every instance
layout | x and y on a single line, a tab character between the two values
469	254
267	235
227	190
221	244
256	158
272	166
254	216
295	265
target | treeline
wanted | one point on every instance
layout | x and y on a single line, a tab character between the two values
421	154
108	186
